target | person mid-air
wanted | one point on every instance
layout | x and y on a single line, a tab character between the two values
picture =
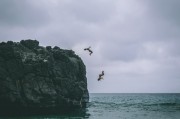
90	51
101	76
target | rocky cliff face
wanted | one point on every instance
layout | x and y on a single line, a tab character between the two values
33	77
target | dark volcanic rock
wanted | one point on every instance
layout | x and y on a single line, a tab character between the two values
35	78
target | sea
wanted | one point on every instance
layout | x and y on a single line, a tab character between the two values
122	106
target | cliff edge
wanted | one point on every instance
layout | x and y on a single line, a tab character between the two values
36	79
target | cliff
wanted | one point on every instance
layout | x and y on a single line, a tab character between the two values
40	79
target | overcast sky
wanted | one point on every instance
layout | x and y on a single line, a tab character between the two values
136	42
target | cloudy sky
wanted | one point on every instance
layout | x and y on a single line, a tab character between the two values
136	42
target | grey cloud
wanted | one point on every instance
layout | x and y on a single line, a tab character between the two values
22	13
121	51
165	9
91	11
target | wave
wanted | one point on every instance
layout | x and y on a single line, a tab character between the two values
165	104
141	106
146	103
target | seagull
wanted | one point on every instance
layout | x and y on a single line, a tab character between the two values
90	51
101	76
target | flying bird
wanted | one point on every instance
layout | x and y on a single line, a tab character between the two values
90	51
101	76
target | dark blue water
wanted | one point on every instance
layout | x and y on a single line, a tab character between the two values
123	106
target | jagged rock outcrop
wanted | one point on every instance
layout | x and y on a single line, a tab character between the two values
39	78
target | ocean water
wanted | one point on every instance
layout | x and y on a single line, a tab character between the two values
122	106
